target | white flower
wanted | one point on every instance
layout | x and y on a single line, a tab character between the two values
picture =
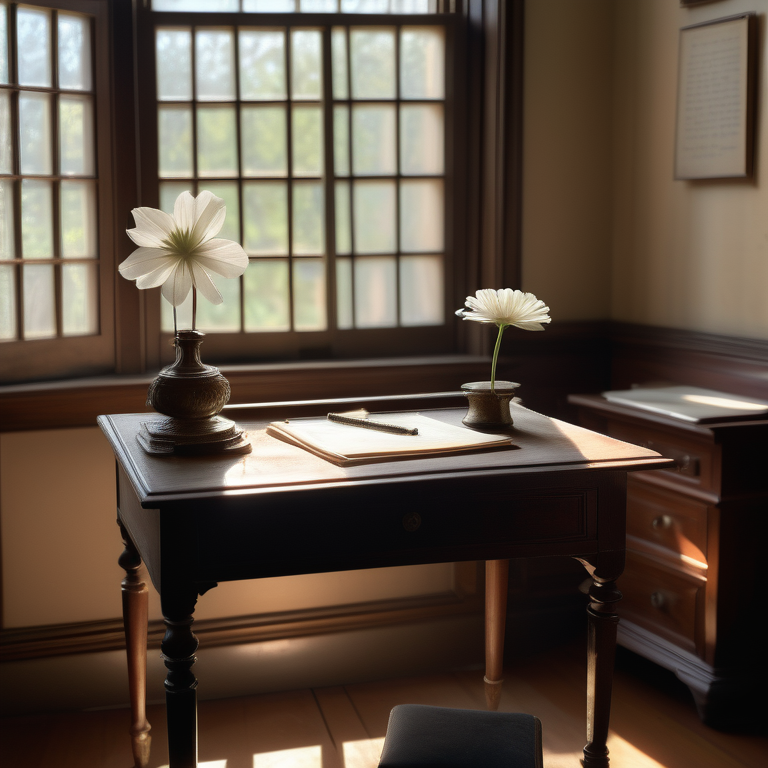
179	251
506	307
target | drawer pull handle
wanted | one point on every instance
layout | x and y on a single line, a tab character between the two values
658	600
411	521
661	522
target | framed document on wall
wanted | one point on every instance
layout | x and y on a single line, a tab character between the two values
715	99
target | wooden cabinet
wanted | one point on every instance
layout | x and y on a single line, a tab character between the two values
695	587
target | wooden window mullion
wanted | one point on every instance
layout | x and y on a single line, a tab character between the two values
329	179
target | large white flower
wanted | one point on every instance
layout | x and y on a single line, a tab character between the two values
506	307
180	251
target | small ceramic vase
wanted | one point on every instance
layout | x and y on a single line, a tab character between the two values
489	408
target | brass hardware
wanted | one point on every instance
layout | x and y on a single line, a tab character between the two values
411	521
662	521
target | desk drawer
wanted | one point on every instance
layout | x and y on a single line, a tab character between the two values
663	600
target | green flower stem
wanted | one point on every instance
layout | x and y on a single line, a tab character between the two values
496	356
194	307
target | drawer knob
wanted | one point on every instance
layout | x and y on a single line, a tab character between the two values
661	522
658	600
411	521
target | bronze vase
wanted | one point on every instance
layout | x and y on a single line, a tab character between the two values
488	409
191	395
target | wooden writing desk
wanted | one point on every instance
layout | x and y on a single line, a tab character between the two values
282	511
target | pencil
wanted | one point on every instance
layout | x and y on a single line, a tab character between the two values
379	426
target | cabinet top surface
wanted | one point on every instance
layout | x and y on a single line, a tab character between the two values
544	445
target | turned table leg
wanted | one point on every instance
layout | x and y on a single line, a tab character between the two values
496	578
135	600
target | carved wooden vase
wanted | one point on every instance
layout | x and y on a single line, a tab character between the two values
488	409
191	395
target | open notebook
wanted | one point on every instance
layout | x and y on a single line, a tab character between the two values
347	445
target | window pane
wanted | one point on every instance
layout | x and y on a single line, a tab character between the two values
6	150
374	217
306	64
74	52
339	63
194	5
228	192
373	63
421	290
309	295
169	191
78	219
224	317
307	141
264	135
373	135
36	220
266	296
216	141
79	299
175	141
308	236
7	243
344	293
39	302
375	292
341	140
183	314
262	64
174	64
422	63
35	133
421	139
364	6
343	218
265	218
3	43
319	6
215	64
265	6
33	33
7	302
76	141
421	215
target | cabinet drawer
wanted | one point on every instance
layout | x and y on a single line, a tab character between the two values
664	519
663	600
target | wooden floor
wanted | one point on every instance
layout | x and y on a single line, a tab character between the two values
654	723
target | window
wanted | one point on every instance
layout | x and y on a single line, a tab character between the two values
54	289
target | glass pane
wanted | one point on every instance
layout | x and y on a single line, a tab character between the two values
339	63
3	43
35	133
409	6
170	190
264	135
174	64
421	290
421	139
224	317
6	150
344	293
265	218
39	302
216	141
36	219
194	5
422	63
341	140
375	292
374	217
262	64
175	141
7	243
421	215
74	52
33	35
319	6
307	143
373	63
274	6
364	6
373	137
215	64
183	314
7	302
266	296
308	230
76	140
343	218
306	64
309	295
228	192
78	219
79	299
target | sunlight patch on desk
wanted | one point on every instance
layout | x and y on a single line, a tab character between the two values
362	753
207	764
301	757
